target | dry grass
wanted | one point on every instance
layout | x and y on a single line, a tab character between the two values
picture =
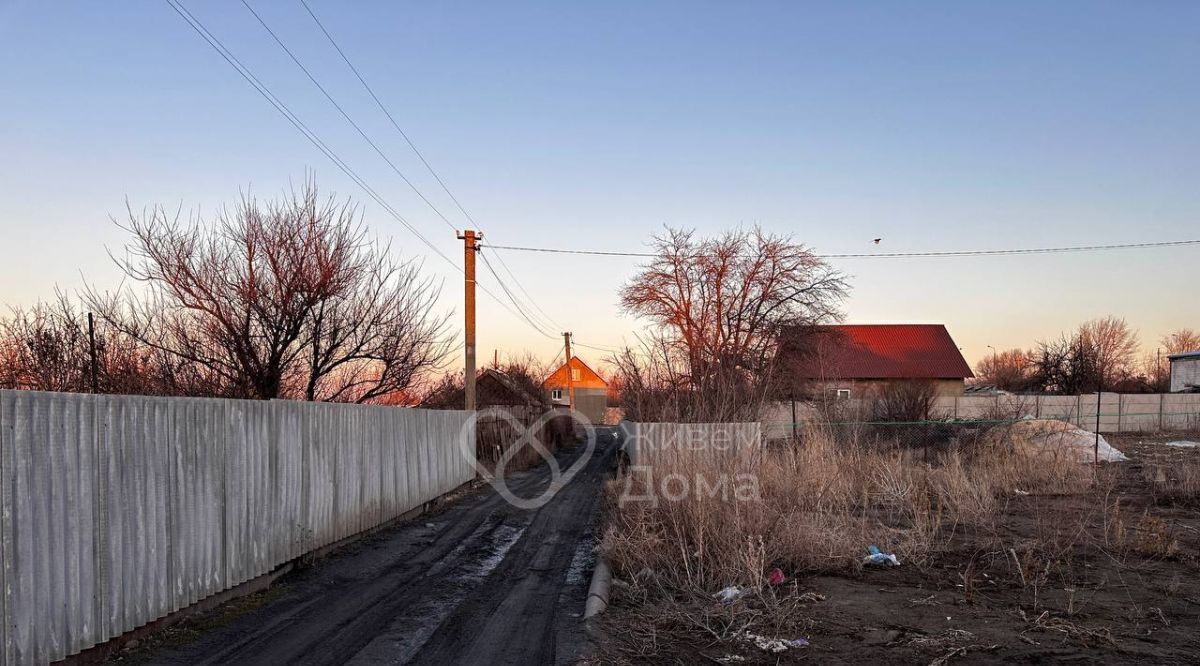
812	508
1178	483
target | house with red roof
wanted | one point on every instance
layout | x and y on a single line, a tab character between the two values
591	391
858	360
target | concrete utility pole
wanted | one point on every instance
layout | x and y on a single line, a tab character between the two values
570	377
469	249
92	352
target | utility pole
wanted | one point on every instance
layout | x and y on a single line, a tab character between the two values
469	249
92	351
570	377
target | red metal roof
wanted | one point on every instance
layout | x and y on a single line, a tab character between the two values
885	351
587	378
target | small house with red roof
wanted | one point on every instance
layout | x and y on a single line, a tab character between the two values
591	391
858	360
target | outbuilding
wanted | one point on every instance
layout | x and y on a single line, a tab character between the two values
1185	372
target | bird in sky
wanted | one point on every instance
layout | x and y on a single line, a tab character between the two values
876	241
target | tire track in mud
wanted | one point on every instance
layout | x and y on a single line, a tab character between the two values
480	582
511	619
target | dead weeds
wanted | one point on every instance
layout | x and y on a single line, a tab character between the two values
1083	561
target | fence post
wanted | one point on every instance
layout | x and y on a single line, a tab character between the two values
1160	412
1037	406
794	418
955	408
1120	409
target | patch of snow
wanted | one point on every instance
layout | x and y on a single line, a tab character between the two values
581	561
1060	437
501	541
1184	444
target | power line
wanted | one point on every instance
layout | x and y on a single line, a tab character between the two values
611	350
309	134
387	113
291	117
511	297
886	255
419	154
345	115
546	316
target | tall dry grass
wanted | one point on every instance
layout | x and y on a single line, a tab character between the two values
811	507
1177	483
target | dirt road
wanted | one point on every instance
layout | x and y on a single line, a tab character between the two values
481	582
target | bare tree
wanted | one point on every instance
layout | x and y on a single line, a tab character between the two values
717	307
1064	366
1100	355
1113	347
375	340
288	298
1180	341
1009	370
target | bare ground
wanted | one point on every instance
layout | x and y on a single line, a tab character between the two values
480	582
1106	577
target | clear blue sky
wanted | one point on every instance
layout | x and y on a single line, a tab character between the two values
942	126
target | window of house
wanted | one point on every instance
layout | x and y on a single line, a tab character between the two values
556	394
837	394
575	374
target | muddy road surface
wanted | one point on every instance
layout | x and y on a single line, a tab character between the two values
478	582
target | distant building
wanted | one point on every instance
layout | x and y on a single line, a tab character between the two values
859	360
1185	372
494	388
591	391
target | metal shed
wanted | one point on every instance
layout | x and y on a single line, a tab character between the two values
1185	372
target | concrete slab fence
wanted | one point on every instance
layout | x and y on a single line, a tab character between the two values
119	510
1119	412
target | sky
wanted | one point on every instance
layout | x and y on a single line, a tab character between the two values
594	125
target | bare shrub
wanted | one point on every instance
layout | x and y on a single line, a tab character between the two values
48	348
906	402
909	405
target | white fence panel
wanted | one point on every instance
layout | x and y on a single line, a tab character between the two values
1181	411
1129	412
198	506
118	510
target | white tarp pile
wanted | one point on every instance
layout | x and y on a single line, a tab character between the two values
1059	437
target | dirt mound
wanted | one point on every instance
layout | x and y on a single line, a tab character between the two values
1037	436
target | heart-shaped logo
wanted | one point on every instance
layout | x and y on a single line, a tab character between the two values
528	437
